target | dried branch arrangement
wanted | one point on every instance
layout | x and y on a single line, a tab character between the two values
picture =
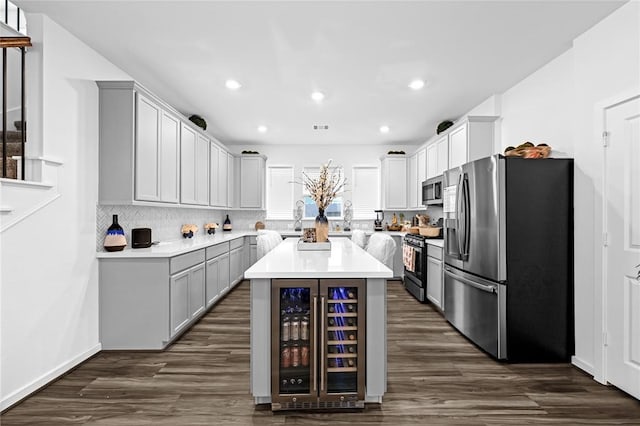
326	187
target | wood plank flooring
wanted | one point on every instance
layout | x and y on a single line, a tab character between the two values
435	377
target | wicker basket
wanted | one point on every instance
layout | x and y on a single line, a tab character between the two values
414	230
430	231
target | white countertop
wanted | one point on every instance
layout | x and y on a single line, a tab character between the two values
344	260
438	242
177	247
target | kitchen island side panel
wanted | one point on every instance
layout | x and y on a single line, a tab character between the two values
261	340
376	339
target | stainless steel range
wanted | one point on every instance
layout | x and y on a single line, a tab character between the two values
415	265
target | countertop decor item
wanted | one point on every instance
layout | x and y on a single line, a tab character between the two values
259	225
226	226
210	227
198	121
115	239
323	190
141	238
189	230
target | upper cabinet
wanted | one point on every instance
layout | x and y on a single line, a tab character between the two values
194	167
150	154
252	181
467	140
471	139
139	146
412	181
394	182
219	177
437	157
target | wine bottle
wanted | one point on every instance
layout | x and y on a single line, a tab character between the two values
226	226
351	295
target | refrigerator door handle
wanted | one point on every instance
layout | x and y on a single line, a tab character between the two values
487	288
464	248
459	196
315	352
322	331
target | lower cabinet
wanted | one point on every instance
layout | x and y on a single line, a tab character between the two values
435	282
236	263
217	272
146	303
186	297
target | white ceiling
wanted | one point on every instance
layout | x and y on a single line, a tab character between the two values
362	55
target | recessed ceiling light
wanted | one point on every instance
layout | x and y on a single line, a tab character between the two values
262	129
384	129
232	85
416	84
317	96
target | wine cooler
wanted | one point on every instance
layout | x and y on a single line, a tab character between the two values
318	343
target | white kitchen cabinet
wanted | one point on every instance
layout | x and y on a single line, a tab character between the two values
186	297
471	139
219	177
412	184
139	146
435	281
217	278
437	157
236	260
422	172
394	182
194	167
252	181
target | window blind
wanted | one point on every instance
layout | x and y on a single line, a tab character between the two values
365	187
280	203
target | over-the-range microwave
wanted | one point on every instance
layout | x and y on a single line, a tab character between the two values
432	191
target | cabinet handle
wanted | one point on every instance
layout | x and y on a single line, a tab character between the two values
322	344
315	352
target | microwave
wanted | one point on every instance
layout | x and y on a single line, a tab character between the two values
432	191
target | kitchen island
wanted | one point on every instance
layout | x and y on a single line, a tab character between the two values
344	286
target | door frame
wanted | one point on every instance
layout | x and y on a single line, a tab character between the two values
600	228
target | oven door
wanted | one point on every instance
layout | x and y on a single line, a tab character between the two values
415	281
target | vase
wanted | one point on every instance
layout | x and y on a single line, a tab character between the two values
226	226
322	227
115	239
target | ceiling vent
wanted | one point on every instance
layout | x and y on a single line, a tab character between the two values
320	127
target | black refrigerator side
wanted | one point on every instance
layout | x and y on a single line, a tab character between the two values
539	259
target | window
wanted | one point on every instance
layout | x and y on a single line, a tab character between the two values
280	202
365	187
310	209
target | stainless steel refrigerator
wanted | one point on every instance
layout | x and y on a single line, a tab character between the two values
509	256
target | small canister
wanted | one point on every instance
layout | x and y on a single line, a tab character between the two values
285	357
304	328
285	333
295	356
295	328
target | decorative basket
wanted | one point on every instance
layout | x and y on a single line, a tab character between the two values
430	231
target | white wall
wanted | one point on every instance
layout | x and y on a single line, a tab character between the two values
558	105
49	292
301	156
606	64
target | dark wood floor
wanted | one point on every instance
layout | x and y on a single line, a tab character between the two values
435	377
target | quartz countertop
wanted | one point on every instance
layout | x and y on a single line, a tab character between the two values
184	245
438	242
344	260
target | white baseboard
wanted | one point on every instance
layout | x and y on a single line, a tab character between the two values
48	377
582	365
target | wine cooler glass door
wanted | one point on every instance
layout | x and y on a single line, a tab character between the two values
294	377
342	341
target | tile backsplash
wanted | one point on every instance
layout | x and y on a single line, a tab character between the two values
165	222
